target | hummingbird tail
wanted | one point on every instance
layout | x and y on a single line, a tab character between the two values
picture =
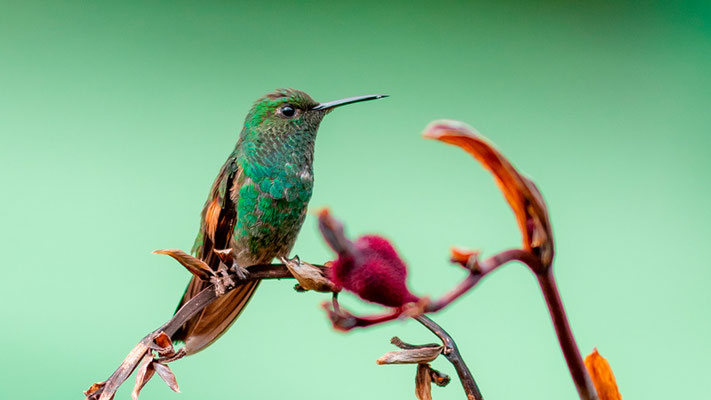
207	326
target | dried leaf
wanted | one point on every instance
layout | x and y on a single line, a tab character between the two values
439	378
144	374
170	357
602	376
94	388
341	319
163	340
163	345
167	375
407	346
225	255
129	364
411	356
520	192
196	266
462	256
333	232
308	276
423	382
399	343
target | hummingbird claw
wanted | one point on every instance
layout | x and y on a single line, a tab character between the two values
222	280
227	258
241	272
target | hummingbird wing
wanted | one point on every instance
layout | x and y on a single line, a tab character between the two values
216	228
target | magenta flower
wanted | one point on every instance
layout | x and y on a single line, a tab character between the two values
369	267
372	269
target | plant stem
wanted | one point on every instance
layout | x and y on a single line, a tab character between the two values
452	354
483	268
580	376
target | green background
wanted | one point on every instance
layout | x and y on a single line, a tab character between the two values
116	116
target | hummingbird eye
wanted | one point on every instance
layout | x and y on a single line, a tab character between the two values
288	111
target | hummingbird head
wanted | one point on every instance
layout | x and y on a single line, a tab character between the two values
282	126
284	111
291	111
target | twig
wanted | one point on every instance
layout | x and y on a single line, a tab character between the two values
549	288
578	372
547	282
480	269
187	311
452	353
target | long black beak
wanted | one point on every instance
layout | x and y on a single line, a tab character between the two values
337	103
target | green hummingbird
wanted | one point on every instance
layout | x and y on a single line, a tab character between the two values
258	201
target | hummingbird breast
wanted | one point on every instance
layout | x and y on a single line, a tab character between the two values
271	208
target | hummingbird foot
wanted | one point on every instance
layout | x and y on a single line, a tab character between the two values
222	280
241	272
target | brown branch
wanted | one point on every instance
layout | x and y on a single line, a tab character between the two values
106	390
581	378
479	269
451	352
549	288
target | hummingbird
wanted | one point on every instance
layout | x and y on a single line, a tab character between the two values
257	203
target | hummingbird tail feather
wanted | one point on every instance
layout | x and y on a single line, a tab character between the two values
206	327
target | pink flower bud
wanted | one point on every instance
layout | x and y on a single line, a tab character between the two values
369	267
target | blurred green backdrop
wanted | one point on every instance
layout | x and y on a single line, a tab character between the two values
115	117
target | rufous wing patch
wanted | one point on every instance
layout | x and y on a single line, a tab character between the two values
212	217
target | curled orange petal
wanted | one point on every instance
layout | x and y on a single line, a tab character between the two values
602	377
195	265
461	256
520	192
93	389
